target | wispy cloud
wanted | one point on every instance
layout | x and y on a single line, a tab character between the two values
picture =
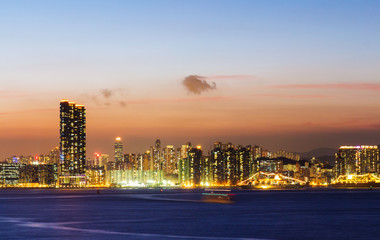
293	96
175	100
197	84
107	93
107	97
349	86
216	77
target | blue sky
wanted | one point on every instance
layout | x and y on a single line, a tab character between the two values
156	41
142	50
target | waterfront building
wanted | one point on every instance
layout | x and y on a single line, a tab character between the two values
183	163
95	176
230	164
244	162
271	165
207	171
10	173
351	160
134	178
219	167
192	167
72	144
38	175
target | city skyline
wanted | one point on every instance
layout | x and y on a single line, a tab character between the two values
288	76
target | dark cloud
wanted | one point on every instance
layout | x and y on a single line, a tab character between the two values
197	84
106	93
107	97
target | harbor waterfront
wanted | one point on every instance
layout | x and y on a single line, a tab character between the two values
180	214
188	166
190	120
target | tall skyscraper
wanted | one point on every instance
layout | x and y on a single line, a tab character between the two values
72	143
244	161
182	162
194	159
190	169
219	167
169	159
119	157
230	165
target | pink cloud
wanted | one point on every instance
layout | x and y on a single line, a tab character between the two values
350	86
216	77
292	96
175	100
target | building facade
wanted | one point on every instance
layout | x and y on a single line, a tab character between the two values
72	144
118	147
351	160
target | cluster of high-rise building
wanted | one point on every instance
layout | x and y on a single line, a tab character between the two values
187	165
357	160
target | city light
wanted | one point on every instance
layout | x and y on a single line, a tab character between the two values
224	166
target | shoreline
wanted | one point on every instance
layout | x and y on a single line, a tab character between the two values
308	188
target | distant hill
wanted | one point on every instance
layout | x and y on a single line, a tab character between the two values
319	152
322	154
329	159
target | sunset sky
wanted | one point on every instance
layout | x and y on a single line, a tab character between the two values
292	75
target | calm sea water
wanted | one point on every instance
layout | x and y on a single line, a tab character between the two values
179	214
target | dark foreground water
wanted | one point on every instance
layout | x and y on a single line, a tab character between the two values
176	214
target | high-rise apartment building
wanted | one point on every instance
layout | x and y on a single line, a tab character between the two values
244	161
157	158
357	160
146	161
182	162
219	167
72	143
170	159
230	165
191	169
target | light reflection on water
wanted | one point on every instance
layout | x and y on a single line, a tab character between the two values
151	214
